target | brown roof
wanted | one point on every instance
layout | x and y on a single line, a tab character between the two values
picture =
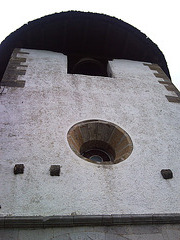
83	33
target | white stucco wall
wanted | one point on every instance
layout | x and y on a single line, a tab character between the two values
34	125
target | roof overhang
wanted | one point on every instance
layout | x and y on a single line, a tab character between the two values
86	34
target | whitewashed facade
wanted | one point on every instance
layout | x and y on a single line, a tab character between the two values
48	190
35	121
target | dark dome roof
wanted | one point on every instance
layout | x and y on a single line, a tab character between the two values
87	34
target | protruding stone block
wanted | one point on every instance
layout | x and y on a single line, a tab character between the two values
19	169
167	173
173	99
55	170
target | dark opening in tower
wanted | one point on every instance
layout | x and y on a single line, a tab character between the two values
88	66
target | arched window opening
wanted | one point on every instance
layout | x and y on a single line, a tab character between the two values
88	66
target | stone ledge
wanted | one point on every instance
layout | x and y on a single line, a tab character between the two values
58	221
87	220
132	219
166	218
23	222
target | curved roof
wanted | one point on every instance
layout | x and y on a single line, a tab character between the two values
86	34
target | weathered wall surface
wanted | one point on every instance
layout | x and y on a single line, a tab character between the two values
34	125
127	232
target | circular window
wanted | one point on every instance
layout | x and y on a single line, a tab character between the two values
100	142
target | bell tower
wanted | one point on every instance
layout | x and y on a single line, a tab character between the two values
89	132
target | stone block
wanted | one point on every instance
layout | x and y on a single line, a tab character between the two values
121	219
167	173
88	220
165	82
161	75
166	218
1	222
171	87
107	220
23	222
55	170
13	83
19	169
58	221
173	99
